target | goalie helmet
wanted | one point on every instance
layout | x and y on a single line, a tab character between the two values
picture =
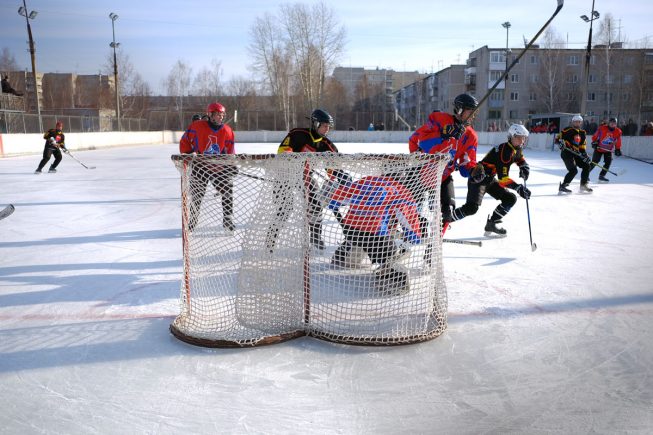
320	116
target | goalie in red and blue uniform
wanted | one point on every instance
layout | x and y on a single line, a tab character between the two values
377	206
210	137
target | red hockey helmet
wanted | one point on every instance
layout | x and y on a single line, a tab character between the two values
215	107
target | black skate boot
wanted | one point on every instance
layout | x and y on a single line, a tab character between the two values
492	230
562	189
391	282
584	188
603	179
228	223
316	236
52	170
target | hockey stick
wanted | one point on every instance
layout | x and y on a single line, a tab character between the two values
77	160
640	160
463	242
514	62
595	164
7	211
530	233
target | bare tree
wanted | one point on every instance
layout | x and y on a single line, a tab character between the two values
243	94
316	41
178	85
130	83
7	61
207	82
273	61
551	77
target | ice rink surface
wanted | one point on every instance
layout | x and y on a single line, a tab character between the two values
559	340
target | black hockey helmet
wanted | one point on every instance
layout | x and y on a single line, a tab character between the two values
461	103
319	116
197	117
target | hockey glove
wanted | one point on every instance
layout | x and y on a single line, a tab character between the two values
586	158
524	171
453	131
478	173
617	152
595	144
523	191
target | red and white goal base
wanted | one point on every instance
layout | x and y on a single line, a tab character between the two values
266	281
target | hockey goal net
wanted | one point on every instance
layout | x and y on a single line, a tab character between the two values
281	246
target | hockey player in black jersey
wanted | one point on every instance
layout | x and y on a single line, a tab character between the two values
492	175
305	140
572	143
54	143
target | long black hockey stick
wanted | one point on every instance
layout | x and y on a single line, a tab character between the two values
514	62
593	163
77	160
530	233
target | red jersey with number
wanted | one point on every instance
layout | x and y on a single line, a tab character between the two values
608	139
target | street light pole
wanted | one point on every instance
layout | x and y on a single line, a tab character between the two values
32	51
506	25
114	45
588	55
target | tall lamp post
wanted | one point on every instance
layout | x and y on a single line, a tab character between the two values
506	25
114	45
588	55
30	16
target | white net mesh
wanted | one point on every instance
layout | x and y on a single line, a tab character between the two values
338	246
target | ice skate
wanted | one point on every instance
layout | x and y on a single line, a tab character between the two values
563	190
229	225
391	282
492	230
584	188
38	171
52	171
602	179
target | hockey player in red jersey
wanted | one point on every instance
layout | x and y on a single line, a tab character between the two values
453	134
492	176
377	206
606	140
210	137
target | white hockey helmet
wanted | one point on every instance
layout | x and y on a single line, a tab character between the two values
576	118
517	130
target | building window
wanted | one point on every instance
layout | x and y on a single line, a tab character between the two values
494	114
532	96
535	78
572	78
648	58
497	56
514	96
570	96
514	78
495	75
514	114
628	78
592	60
573	60
533	59
592	78
625	97
496	95
591	96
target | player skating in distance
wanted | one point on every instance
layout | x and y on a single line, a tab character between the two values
381	219
210	137
492	176
572	143
606	139
54	143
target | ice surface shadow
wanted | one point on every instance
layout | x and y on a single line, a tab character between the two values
593	304
110	202
128	236
494	261
127	288
86	343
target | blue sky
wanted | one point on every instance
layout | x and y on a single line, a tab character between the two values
74	35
